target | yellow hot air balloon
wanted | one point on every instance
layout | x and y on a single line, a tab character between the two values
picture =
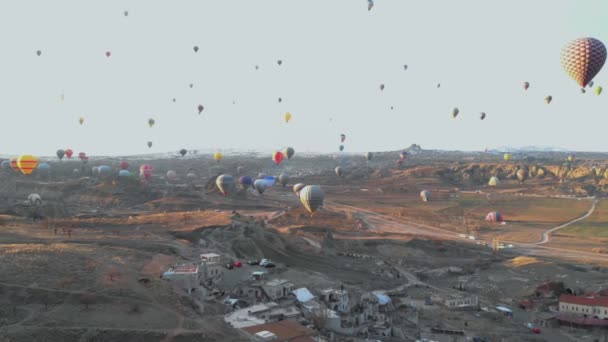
27	163
287	117
507	157
571	158
598	90
81	120
218	156
493	181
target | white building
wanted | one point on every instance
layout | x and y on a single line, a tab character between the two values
336	300
184	276
211	266
461	302
277	288
592	307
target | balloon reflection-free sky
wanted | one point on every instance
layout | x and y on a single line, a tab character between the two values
334	53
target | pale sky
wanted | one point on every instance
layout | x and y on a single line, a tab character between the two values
335	55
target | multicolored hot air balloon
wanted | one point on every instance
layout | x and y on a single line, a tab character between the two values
526	85
403	155
245	182
287	117
60	153
69	153
312	197
218	156
425	195
284	179
548	99
297	188
151	122
338	171
370	5
145	171
494	216
289	152
27	163
582	59
277	157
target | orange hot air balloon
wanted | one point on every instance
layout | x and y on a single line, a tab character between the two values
14	164
277	157
27	164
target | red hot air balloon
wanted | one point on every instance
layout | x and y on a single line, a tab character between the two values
124	165
277	157
81	155
13	164
108	54
583	58
69	153
146	171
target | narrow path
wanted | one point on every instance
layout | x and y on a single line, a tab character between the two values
547	234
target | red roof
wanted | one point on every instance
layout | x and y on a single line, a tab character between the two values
583	320
588	301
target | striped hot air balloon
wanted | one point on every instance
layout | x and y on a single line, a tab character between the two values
494	216
27	164
312	197
224	183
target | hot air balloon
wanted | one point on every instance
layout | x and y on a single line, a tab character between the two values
191	85
582	59
124	173
104	171
171	175
183	152
341	148
218	156
382	87
60	153
145	171
27	163
280	100
370	5
108	54
44	168
81	120
507	157
312	197
494	216
245	182
260	185
126	13
482	116
6	164
279	62
598	90
571	158
338	171
34	200
521	175
261	175
405	67
13	164
287	117
438	85
149	144
297	188
548	99
289	152
493	181
239	169
369	156
200	109
526	85
455	112
277	157
95	170
403	155
124	165
85	159
425	195
195	48
256	67
284	179
38	52
342	137
151	122
69	153
269	181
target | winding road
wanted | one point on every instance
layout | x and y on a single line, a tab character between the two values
547	234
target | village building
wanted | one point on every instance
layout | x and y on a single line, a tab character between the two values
284	331
585	311
211	267
336	300
184	276
277	288
461	302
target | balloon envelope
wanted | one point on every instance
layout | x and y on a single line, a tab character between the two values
260	185
582	59
224	183
494	216
27	163
312	197
425	195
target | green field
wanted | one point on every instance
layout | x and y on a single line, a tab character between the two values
595	225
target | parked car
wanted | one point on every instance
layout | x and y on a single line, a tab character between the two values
229	266
253	262
237	264
269	265
264	262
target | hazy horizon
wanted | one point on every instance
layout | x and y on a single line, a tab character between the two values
335	56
